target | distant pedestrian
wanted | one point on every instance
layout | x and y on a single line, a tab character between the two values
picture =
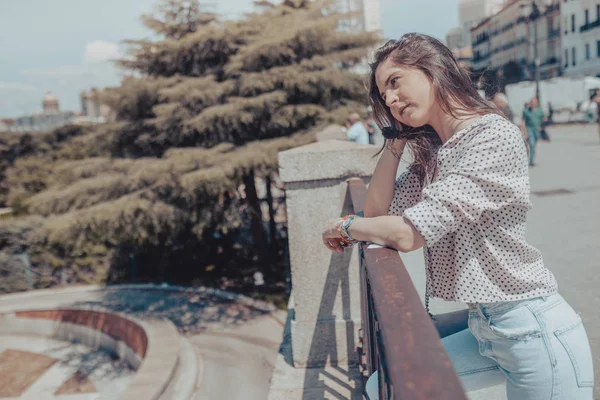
596	99
533	117
357	132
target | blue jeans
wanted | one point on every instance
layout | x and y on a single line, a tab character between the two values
537	347
532	138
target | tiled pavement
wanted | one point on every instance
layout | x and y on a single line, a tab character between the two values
108	377
230	339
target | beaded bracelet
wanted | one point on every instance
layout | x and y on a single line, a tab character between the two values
346	239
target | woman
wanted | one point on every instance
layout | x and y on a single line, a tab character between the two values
465	199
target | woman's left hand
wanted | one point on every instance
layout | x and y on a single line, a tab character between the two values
331	236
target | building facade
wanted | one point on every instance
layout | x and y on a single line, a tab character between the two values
509	37
366	15
471	13
580	37
548	42
50	118
481	45
90	105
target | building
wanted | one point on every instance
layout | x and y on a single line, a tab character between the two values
508	37
548	41
455	39
372	16
580	37
90	106
50	118
481	46
50	104
92	110
470	14
366	15
42	122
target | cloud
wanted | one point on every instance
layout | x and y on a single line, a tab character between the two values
100	51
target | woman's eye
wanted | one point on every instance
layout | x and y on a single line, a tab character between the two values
394	81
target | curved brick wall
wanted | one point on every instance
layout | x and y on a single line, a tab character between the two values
113	325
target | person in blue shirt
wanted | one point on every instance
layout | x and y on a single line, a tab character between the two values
357	132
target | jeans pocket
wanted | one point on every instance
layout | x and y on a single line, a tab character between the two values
516	324
576	344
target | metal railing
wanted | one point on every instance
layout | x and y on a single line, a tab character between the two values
397	337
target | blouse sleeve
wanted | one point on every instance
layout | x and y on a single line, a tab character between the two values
484	177
407	193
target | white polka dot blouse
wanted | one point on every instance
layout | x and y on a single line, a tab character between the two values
473	217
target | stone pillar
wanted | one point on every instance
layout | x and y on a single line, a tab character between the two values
325	285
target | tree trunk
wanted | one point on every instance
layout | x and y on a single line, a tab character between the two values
272	224
256	225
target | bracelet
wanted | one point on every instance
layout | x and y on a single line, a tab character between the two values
346	239
347	221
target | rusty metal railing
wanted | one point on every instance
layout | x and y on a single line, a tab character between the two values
397	337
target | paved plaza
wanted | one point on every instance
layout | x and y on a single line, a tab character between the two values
230	340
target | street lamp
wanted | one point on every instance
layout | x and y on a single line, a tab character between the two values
532	13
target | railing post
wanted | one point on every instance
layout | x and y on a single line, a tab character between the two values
325	285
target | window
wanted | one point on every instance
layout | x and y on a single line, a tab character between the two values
598	12
587	16
572	22
587	51
566	24
598	48
573	61
567	57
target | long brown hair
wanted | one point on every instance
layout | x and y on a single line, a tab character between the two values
454	91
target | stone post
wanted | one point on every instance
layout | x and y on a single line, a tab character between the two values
325	285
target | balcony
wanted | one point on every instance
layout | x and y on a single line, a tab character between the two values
589	26
554	33
479	58
481	39
551	9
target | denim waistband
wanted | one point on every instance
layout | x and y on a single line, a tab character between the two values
504	306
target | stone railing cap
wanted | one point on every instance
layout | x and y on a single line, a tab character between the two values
330	159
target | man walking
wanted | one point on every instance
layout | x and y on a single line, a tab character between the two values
533	116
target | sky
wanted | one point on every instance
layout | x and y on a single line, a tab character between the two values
66	46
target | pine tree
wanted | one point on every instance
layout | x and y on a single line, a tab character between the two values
210	105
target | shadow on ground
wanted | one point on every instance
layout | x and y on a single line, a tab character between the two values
191	312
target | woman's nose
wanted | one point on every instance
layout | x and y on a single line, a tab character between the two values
390	98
